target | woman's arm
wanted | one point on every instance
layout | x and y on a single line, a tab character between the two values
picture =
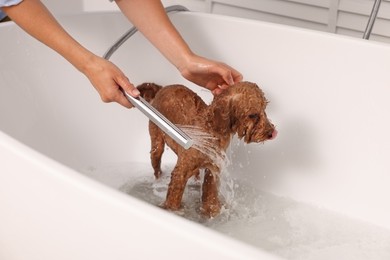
35	19
151	20
108	80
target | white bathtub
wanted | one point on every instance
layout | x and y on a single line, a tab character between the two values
73	168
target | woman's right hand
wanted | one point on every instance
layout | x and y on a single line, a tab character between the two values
109	81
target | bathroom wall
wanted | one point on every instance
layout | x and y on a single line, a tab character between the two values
59	7
98	5
104	5
347	17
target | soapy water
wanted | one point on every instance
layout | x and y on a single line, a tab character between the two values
281	226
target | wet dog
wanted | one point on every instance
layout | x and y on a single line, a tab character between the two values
240	110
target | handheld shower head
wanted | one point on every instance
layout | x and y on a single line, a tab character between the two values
161	121
156	117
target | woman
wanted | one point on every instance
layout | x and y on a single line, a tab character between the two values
109	80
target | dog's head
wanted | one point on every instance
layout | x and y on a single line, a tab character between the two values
241	109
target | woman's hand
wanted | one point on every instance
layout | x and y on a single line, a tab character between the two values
109	81
159	30
215	76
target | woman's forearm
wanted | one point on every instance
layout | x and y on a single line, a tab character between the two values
151	20
33	17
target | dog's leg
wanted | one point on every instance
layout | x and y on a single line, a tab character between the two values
179	178
211	205
157	149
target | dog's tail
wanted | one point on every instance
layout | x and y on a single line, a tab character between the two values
148	90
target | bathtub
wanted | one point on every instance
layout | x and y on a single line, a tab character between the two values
75	178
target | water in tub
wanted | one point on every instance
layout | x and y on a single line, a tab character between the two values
278	225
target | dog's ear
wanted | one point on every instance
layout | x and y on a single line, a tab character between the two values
223	115
221	119
148	90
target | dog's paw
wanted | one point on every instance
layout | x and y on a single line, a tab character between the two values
157	174
171	206
210	210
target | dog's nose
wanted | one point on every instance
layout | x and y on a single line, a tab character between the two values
272	135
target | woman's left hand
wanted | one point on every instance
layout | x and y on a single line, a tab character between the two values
213	75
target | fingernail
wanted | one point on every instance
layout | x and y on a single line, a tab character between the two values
135	92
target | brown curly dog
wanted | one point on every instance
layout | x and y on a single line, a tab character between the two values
240	110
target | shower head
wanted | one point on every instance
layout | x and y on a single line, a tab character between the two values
161	121
156	117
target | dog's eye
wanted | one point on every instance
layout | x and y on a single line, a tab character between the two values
254	116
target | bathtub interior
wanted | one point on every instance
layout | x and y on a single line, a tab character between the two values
328	96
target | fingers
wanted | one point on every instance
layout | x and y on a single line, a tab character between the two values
125	84
122	100
109	81
217	91
213	75
237	76
113	92
230	75
227	77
